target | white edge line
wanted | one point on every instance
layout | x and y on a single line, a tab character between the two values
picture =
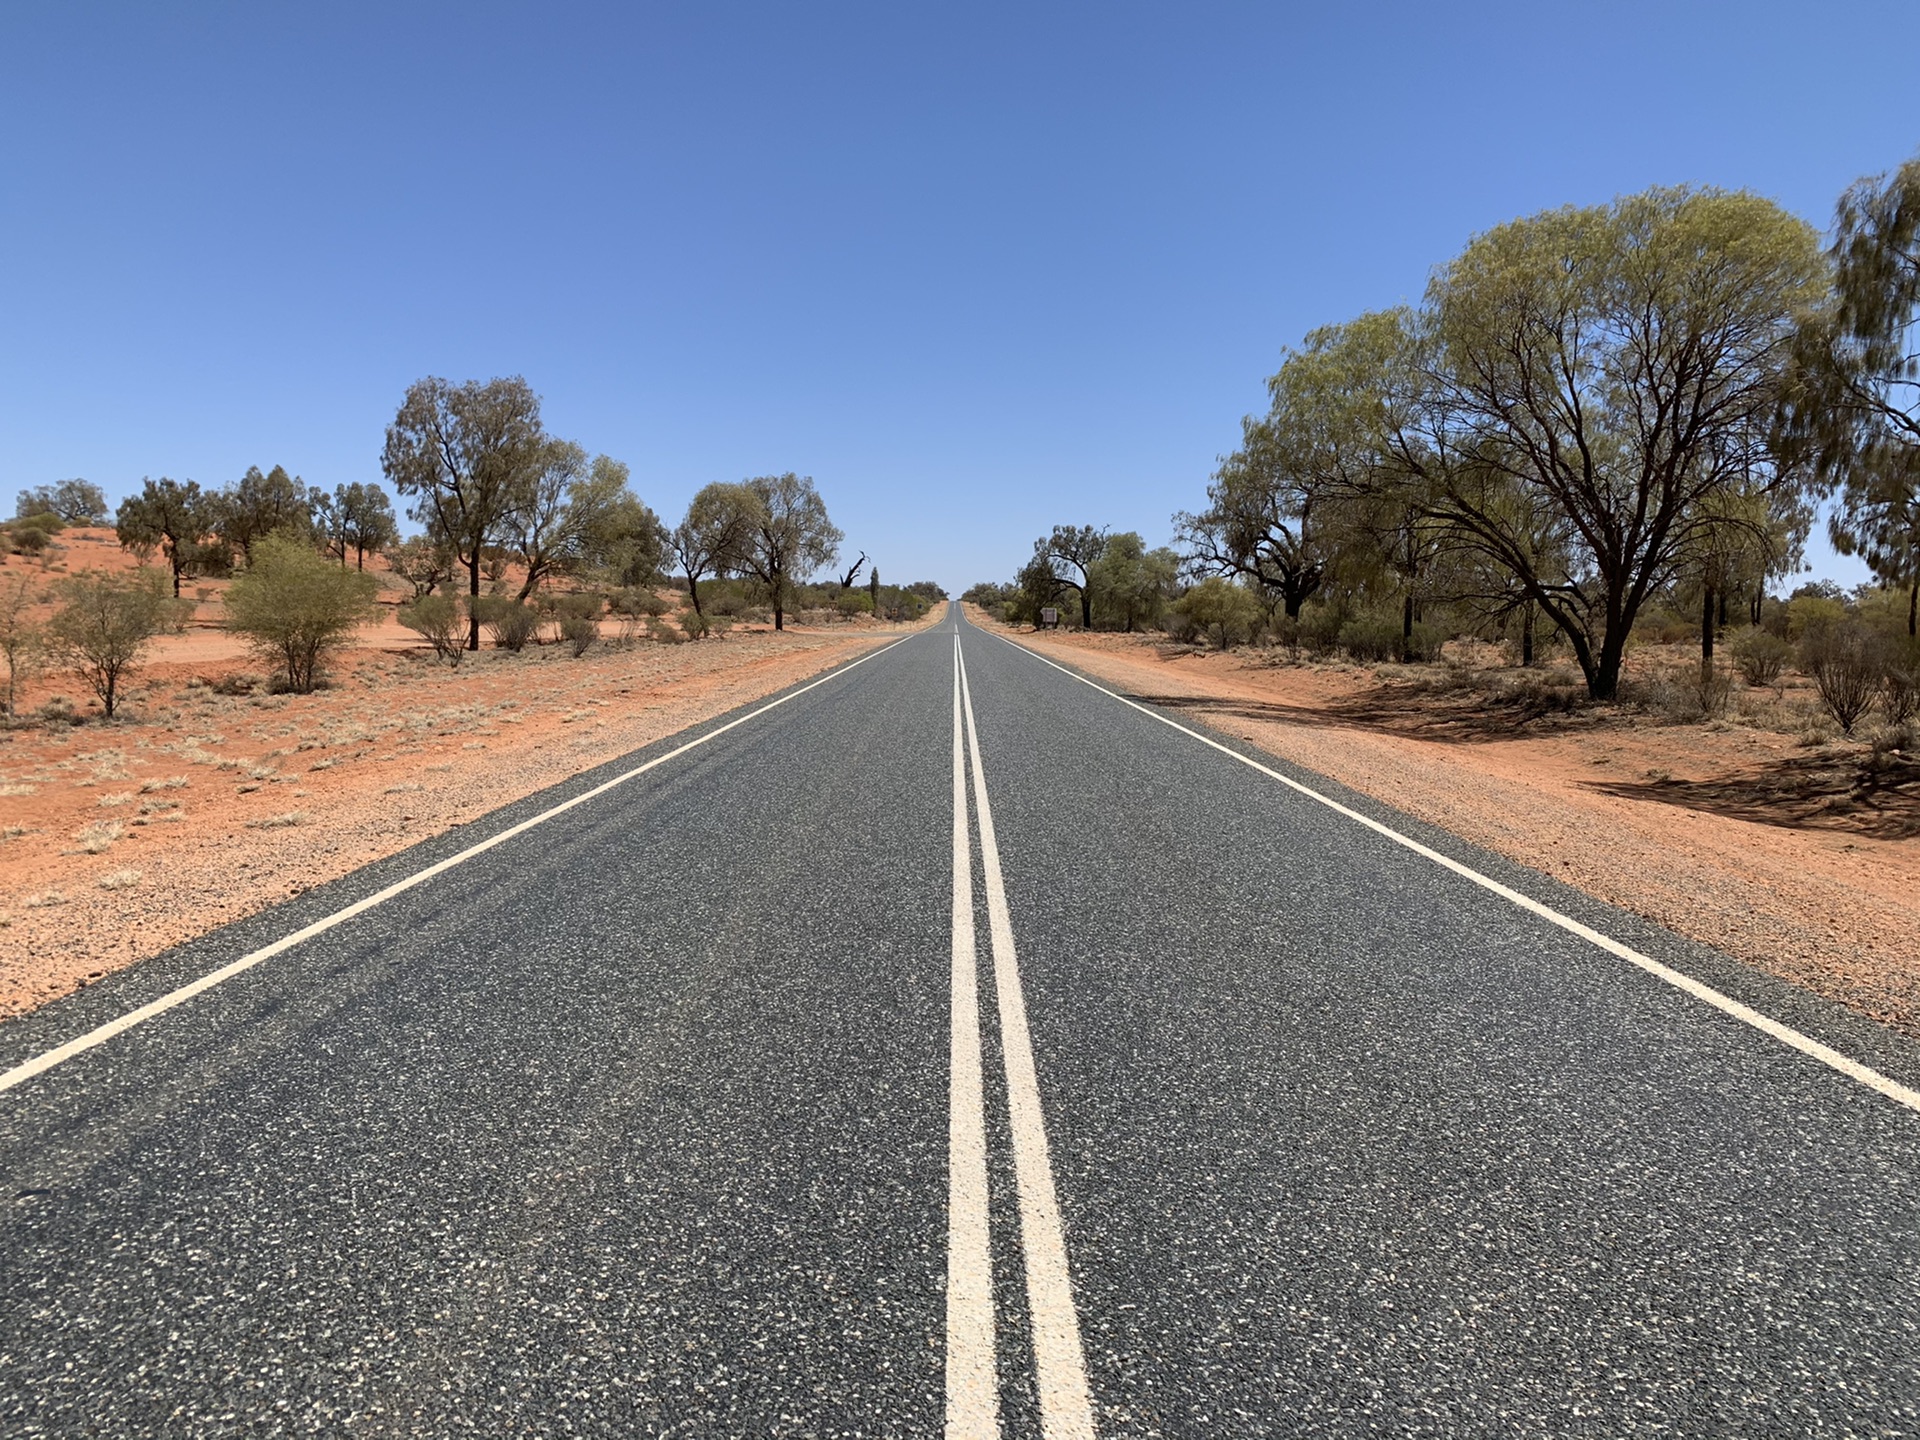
45	1061
1726	1004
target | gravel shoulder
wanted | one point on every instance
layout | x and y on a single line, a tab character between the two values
1703	829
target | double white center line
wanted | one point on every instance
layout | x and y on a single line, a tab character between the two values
973	1410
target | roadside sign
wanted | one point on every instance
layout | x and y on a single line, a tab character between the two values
1049	618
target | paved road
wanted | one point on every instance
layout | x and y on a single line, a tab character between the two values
702	1108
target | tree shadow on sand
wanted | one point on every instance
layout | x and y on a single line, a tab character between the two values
1876	797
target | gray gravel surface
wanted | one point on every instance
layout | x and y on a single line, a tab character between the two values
636	1125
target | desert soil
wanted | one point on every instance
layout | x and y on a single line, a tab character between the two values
123	840
1800	860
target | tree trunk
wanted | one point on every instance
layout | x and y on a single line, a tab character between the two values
1406	629
1086	608
1603	675
693	590
1706	627
779	616
1526	635
1291	602
473	607
1913	609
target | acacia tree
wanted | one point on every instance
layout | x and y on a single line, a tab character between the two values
103	624
1853	409
78	502
789	536
467	455
1606	374
172	516
21	640
714	536
355	517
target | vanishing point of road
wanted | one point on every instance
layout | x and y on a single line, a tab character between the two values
953	1045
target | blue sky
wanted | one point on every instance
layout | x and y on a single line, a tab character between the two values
977	269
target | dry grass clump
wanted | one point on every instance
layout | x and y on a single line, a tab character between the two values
281	822
172	782
123	879
95	838
14	787
44	900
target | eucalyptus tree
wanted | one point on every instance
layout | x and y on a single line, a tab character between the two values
788	536
468	456
1853	410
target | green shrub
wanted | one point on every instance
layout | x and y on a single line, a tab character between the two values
1847	664
438	620
1900	680
511	623
695	624
579	633
1760	656
1223	613
296	605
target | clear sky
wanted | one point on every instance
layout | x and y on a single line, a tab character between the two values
975	268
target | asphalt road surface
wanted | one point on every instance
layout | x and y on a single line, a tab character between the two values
954	1045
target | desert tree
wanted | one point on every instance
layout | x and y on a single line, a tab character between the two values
356	517
712	539
1132	585
102	625
853	572
294	605
257	505
1610	370
570	512
1853	408
788	536
21	639
467	455
1269	503
77	502
425	564
171	516
1073	551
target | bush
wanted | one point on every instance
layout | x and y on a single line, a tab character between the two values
437	620
511	623
697	625
30	540
295	605
1224	613
579	633
1847	664
1370	638
103	624
1710	689
1760	656
1900	681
